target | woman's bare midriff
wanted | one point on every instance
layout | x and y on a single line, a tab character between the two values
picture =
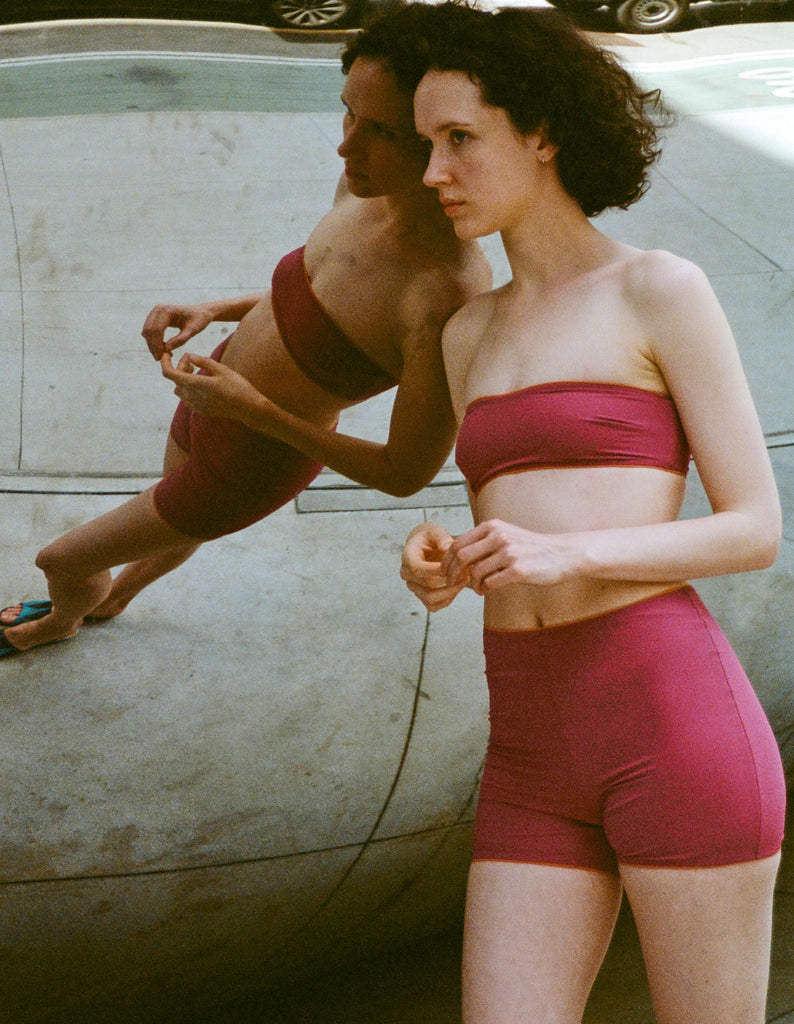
256	351
543	607
576	500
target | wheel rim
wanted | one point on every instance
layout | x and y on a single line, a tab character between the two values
305	14
653	13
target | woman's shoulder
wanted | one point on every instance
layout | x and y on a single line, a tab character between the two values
675	307
655	275
442	284
474	314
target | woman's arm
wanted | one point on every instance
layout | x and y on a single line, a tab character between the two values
421	429
691	343
693	346
424	550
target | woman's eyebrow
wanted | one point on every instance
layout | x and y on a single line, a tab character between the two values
445	127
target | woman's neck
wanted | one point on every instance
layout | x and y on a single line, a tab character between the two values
555	244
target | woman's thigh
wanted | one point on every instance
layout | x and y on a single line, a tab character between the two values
706	936
534	940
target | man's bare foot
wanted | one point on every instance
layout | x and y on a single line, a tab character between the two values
10	614
27	610
46	630
31	623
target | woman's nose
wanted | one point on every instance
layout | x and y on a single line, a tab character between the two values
436	173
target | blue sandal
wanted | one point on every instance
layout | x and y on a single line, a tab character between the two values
31	610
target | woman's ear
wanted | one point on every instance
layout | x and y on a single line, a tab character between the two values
545	149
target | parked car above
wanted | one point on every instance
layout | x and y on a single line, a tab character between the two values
303	14
637	16
644	16
317	14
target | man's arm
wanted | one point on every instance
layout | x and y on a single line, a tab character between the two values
191	320
421	429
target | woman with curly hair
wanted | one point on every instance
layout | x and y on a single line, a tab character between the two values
628	751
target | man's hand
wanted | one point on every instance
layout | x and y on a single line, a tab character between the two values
189	320
216	391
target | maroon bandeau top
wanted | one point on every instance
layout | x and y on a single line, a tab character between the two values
569	424
314	341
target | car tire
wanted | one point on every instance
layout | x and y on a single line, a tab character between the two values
573	5
313	14
643	16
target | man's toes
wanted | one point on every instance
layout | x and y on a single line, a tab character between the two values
9	615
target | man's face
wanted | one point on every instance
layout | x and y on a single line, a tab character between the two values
382	153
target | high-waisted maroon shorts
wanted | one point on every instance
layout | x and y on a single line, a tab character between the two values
233	476
632	737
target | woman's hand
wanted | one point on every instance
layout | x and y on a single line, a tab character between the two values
217	390
421	569
497	554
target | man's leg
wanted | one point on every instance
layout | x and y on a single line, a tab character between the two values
136	576
77	565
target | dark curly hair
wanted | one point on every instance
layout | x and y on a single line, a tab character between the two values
543	72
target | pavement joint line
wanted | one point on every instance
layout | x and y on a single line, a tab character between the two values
784	439
363	849
720	222
460	823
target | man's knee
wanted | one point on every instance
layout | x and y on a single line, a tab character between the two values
53	558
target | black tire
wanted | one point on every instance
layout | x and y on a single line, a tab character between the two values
642	16
313	14
574	6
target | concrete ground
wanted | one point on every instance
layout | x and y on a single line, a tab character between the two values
226	787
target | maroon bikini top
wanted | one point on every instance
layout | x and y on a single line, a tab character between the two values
569	424
314	341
